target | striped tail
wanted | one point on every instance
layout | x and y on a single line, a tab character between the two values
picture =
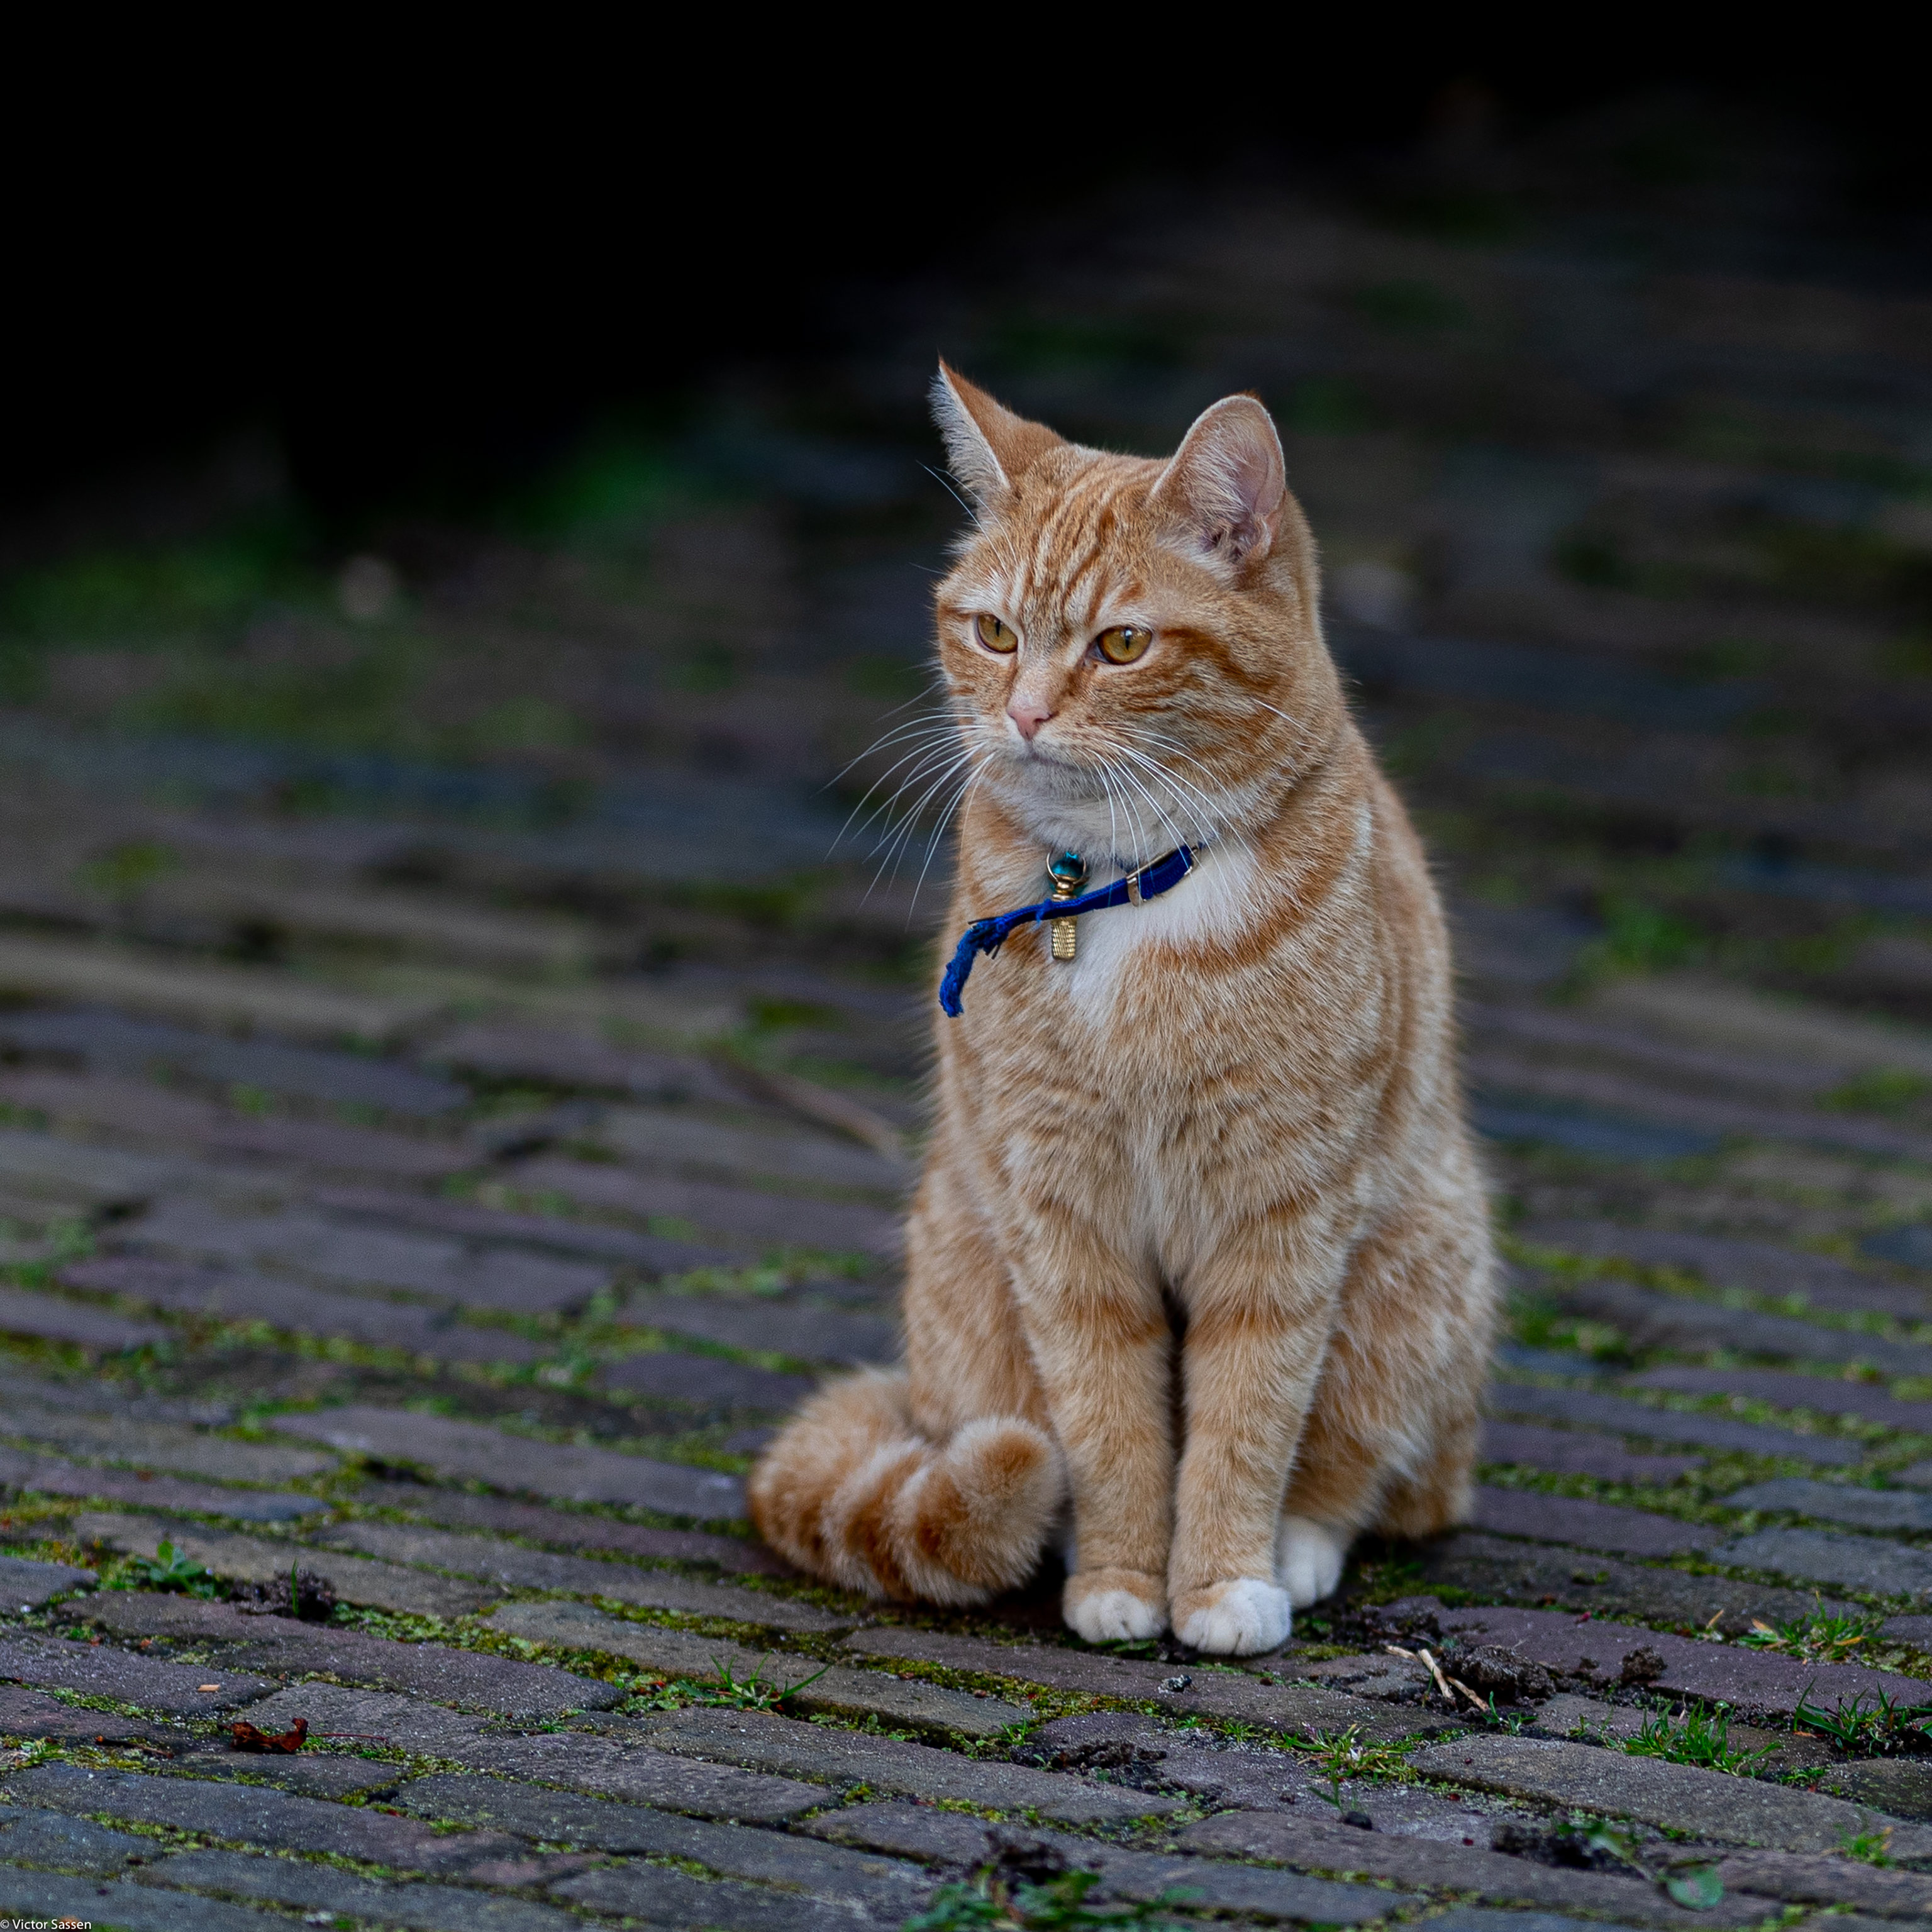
852	1492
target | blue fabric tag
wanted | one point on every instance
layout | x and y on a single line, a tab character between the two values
988	935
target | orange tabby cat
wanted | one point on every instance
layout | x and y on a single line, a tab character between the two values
1200	1246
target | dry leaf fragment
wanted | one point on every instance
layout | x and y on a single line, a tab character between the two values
248	1738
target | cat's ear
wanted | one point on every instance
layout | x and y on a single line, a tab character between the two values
987	448
1221	500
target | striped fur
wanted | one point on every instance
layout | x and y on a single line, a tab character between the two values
1200	1224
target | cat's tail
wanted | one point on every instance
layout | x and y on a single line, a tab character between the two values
851	1491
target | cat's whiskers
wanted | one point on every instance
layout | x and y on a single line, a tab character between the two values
949	719
909	824
937	739
1186	796
1159	811
1181	788
939	831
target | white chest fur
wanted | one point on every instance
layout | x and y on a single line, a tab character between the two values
1213	904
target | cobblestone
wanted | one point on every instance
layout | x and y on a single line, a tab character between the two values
1208	1691
1515	1573
947	1838
126	1907
51	1477
327	1890
1652	1320
1761	1266
1575	1519
1829	1395
1810	1879
506	1563
738	1217
382	1586
1712	1804
810	1334
1900	1787
313	1772
1579	1452
1584	1718
642	1776
130	1108
305	1243
706	1381
248	1814
75	1176
1751	1681
506	1687
175	1690
1836	1502
230	1294
472	1450
1586	1407
772	1153
655	1254
574	1530
673	1653
67	1844
579	1059
26	1714
732	1851
1852	1562
765	1742
390	1719
660	1896
47	1318
108	1040
25	1584
159	1445
1312	1845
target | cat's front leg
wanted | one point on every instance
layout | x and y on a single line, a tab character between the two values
1251	1359
1100	1340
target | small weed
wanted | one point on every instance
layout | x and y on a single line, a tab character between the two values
735	1693
1870	1847
1885	1728
1695	1737
1697	1886
1637	937
1342	1756
1883	1090
1816	1638
167	1569
127	868
1059	1905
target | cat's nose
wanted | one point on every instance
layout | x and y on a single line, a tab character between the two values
1029	714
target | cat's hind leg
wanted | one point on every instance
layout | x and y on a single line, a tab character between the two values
1391	1435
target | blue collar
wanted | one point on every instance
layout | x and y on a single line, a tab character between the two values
988	935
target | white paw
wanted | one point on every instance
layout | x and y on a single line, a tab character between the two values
1112	1616
1308	1559
1248	1617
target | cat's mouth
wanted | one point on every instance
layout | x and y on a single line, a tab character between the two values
1053	767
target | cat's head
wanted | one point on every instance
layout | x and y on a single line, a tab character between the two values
1132	646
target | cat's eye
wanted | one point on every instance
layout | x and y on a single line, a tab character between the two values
995	635
1123	643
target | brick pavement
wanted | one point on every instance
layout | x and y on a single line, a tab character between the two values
457	1242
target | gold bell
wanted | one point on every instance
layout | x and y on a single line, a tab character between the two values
1068	874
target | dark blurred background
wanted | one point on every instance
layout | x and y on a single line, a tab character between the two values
548	483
